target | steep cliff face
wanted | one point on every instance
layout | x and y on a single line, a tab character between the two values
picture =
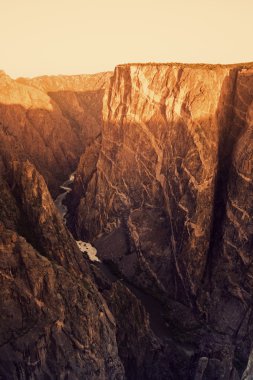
172	197
230	266
51	120
53	321
145	345
168	138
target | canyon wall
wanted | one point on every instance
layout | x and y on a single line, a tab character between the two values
51	120
172	136
79	98
163	189
169	203
53	322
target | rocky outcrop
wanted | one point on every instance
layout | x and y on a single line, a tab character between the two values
53	321
174	182
51	120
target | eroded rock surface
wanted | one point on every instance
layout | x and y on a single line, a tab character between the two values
54	323
174	181
165	195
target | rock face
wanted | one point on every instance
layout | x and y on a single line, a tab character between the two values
164	192
54	324
51	120
145	347
80	99
174	181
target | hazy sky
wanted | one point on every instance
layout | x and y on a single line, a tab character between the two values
84	36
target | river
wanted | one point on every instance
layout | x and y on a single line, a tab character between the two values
84	247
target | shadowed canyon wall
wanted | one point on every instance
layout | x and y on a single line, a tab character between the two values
51	120
53	322
170	142
174	181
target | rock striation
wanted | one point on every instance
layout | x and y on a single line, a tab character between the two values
163	189
174	182
53	322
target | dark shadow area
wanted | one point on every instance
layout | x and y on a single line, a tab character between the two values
53	140
228	136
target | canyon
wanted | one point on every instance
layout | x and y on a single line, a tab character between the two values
162	163
43	120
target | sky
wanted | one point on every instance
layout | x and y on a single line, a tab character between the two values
86	36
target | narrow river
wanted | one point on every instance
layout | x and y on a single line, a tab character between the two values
84	247
61	197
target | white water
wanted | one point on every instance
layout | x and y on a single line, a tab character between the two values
89	249
84	247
